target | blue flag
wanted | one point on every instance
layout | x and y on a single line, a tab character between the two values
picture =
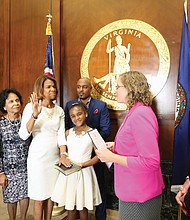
49	63
181	153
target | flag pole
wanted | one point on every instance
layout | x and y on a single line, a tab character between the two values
185	10
49	63
56	210
50	11
48	27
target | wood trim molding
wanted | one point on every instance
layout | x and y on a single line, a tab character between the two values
6	40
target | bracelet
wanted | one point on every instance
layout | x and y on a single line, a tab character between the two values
64	153
34	117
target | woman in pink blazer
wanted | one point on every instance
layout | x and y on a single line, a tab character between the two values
138	179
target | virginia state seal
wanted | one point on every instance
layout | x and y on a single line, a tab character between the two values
122	46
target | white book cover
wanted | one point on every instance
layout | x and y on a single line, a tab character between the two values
99	142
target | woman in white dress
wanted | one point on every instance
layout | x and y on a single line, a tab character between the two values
44	120
79	190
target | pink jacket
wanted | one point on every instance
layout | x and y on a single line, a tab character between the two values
137	138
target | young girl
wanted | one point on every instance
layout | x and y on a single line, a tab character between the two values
79	190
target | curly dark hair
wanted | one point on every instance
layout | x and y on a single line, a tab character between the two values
4	95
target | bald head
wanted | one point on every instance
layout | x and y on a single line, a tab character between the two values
84	88
84	80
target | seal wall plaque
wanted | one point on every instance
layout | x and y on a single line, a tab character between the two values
181	103
121	46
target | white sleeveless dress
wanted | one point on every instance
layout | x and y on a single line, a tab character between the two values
79	189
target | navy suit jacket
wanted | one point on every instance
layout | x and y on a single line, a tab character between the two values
98	117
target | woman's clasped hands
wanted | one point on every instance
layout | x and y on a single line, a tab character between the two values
181	195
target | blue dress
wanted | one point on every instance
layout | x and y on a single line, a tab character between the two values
13	160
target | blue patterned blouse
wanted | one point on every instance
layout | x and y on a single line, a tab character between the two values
13	150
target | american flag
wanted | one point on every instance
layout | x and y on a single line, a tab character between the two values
49	63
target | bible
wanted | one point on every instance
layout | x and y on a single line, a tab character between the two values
67	170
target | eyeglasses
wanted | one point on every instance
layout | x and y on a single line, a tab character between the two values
117	87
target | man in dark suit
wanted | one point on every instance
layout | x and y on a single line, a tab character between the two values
98	117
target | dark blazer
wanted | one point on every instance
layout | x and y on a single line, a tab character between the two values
98	117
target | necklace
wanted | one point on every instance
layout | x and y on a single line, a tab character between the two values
79	132
49	112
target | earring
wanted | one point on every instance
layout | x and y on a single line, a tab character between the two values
4	108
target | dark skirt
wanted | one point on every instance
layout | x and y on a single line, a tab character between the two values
149	210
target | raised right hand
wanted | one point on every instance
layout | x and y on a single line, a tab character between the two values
36	104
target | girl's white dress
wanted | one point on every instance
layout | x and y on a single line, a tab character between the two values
78	189
48	134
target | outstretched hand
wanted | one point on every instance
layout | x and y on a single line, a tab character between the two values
36	104
65	161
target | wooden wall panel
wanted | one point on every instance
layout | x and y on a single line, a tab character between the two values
4	45
166	127
23	47
28	42
80	20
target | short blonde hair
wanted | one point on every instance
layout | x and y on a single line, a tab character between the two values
39	85
138	88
